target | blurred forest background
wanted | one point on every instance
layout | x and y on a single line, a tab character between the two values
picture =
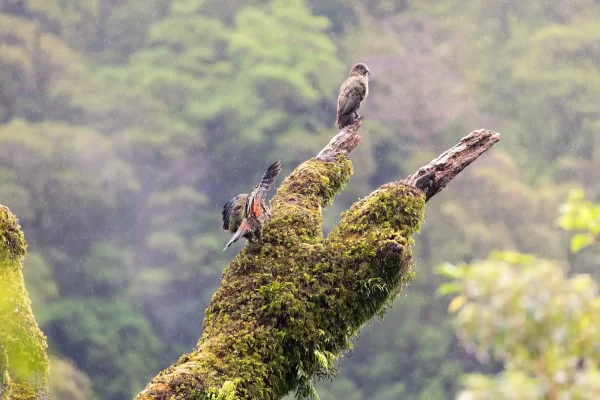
125	125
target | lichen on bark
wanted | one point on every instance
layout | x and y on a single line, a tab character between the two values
289	302
23	360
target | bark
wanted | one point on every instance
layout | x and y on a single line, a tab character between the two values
23	360
289	304
433	177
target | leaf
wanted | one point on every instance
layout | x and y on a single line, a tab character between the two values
457	303
448	288
512	257
576	195
580	241
449	270
321	359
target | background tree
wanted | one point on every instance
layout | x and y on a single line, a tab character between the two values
528	314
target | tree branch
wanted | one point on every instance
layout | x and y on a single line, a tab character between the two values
295	294
23	360
433	177
342	143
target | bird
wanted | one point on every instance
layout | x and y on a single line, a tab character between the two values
353	92
245	214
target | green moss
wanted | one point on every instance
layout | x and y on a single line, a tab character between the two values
226	392
5	382
21	341
12	241
315	182
294	300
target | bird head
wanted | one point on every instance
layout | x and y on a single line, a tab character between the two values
360	69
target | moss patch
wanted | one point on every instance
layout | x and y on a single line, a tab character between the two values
12	241
21	341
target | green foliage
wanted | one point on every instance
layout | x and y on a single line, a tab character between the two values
539	79
526	313
247	67
226	392
582	217
240	82
324	365
109	337
67	382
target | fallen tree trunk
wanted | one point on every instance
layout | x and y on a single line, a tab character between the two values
23	360
289	304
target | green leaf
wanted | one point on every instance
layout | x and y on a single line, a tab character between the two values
448	288
321	359
580	241
449	271
512	257
457	303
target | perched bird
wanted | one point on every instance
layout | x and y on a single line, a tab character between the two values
352	93
245	215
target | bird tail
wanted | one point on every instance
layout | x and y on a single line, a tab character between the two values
242	230
343	120
270	175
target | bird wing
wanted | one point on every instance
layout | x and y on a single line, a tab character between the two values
257	196
352	95
227	208
270	175
234	210
253	204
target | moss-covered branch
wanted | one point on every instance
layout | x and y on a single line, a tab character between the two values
23	360
289	304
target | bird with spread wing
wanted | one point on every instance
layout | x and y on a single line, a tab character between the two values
245	214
